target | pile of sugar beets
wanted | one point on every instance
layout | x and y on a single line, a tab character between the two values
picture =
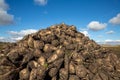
59	52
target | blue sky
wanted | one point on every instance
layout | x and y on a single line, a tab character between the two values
98	19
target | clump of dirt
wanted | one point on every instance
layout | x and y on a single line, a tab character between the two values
59	52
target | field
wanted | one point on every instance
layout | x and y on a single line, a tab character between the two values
115	49
2	45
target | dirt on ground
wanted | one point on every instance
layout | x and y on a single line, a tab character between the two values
114	48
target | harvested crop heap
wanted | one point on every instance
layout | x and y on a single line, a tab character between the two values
58	53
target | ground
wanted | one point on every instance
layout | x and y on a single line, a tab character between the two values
4	45
115	49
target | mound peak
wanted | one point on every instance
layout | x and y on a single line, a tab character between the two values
59	52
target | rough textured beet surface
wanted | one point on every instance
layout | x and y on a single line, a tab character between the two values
59	52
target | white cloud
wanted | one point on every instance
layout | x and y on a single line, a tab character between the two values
22	32
110	32
96	25
41	2
18	35
85	33
115	20
112	42
3	5
15	38
5	17
1	39
109	40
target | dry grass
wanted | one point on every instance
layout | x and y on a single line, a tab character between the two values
115	49
2	45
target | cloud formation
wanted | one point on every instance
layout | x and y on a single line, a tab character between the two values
85	33
5	17
41	2
112	42
17	35
3	5
115	20
110	32
96	25
109	40
2	39
22	32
